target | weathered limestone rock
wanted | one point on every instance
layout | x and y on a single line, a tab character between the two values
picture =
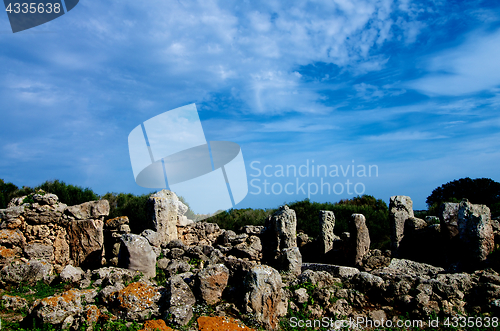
263	295
251	249
290	260
45	198
327	225
475	231
163	208
137	301
71	274
39	251
86	241
400	209
199	233
183	221
181	208
136	254
14	302
58	308
11	237
180	300
281	239
412	268
91	209
448	216
153	237
213	280
360	238
28	272
61	248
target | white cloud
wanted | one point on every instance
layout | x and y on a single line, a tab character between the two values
469	68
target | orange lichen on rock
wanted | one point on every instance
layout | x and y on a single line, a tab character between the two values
137	294
220	323
7	252
68	296
155	325
92	314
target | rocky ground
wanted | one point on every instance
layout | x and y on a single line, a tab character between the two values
67	268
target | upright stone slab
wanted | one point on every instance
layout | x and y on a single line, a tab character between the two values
327	225
400	209
360	238
448	218
162	211
86	242
475	231
264	296
281	240
136	254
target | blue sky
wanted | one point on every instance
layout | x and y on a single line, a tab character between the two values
412	87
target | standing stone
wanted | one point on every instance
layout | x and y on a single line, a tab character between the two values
327	225
264	296
448	216
475	231
162	211
290	260
281	239
360	238
400	209
136	254
86	242
213	280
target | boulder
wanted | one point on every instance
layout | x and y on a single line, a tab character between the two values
360	238
180	300
136	254
138	301
400	209
43	198
475	231
153	237
86	241
26	272
251	249
92	209
71	274
163	208
327	225
62	307
213	280
263	296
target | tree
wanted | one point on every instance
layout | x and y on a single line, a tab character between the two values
67	193
480	191
7	191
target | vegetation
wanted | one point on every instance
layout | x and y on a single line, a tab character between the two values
375	211
480	190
